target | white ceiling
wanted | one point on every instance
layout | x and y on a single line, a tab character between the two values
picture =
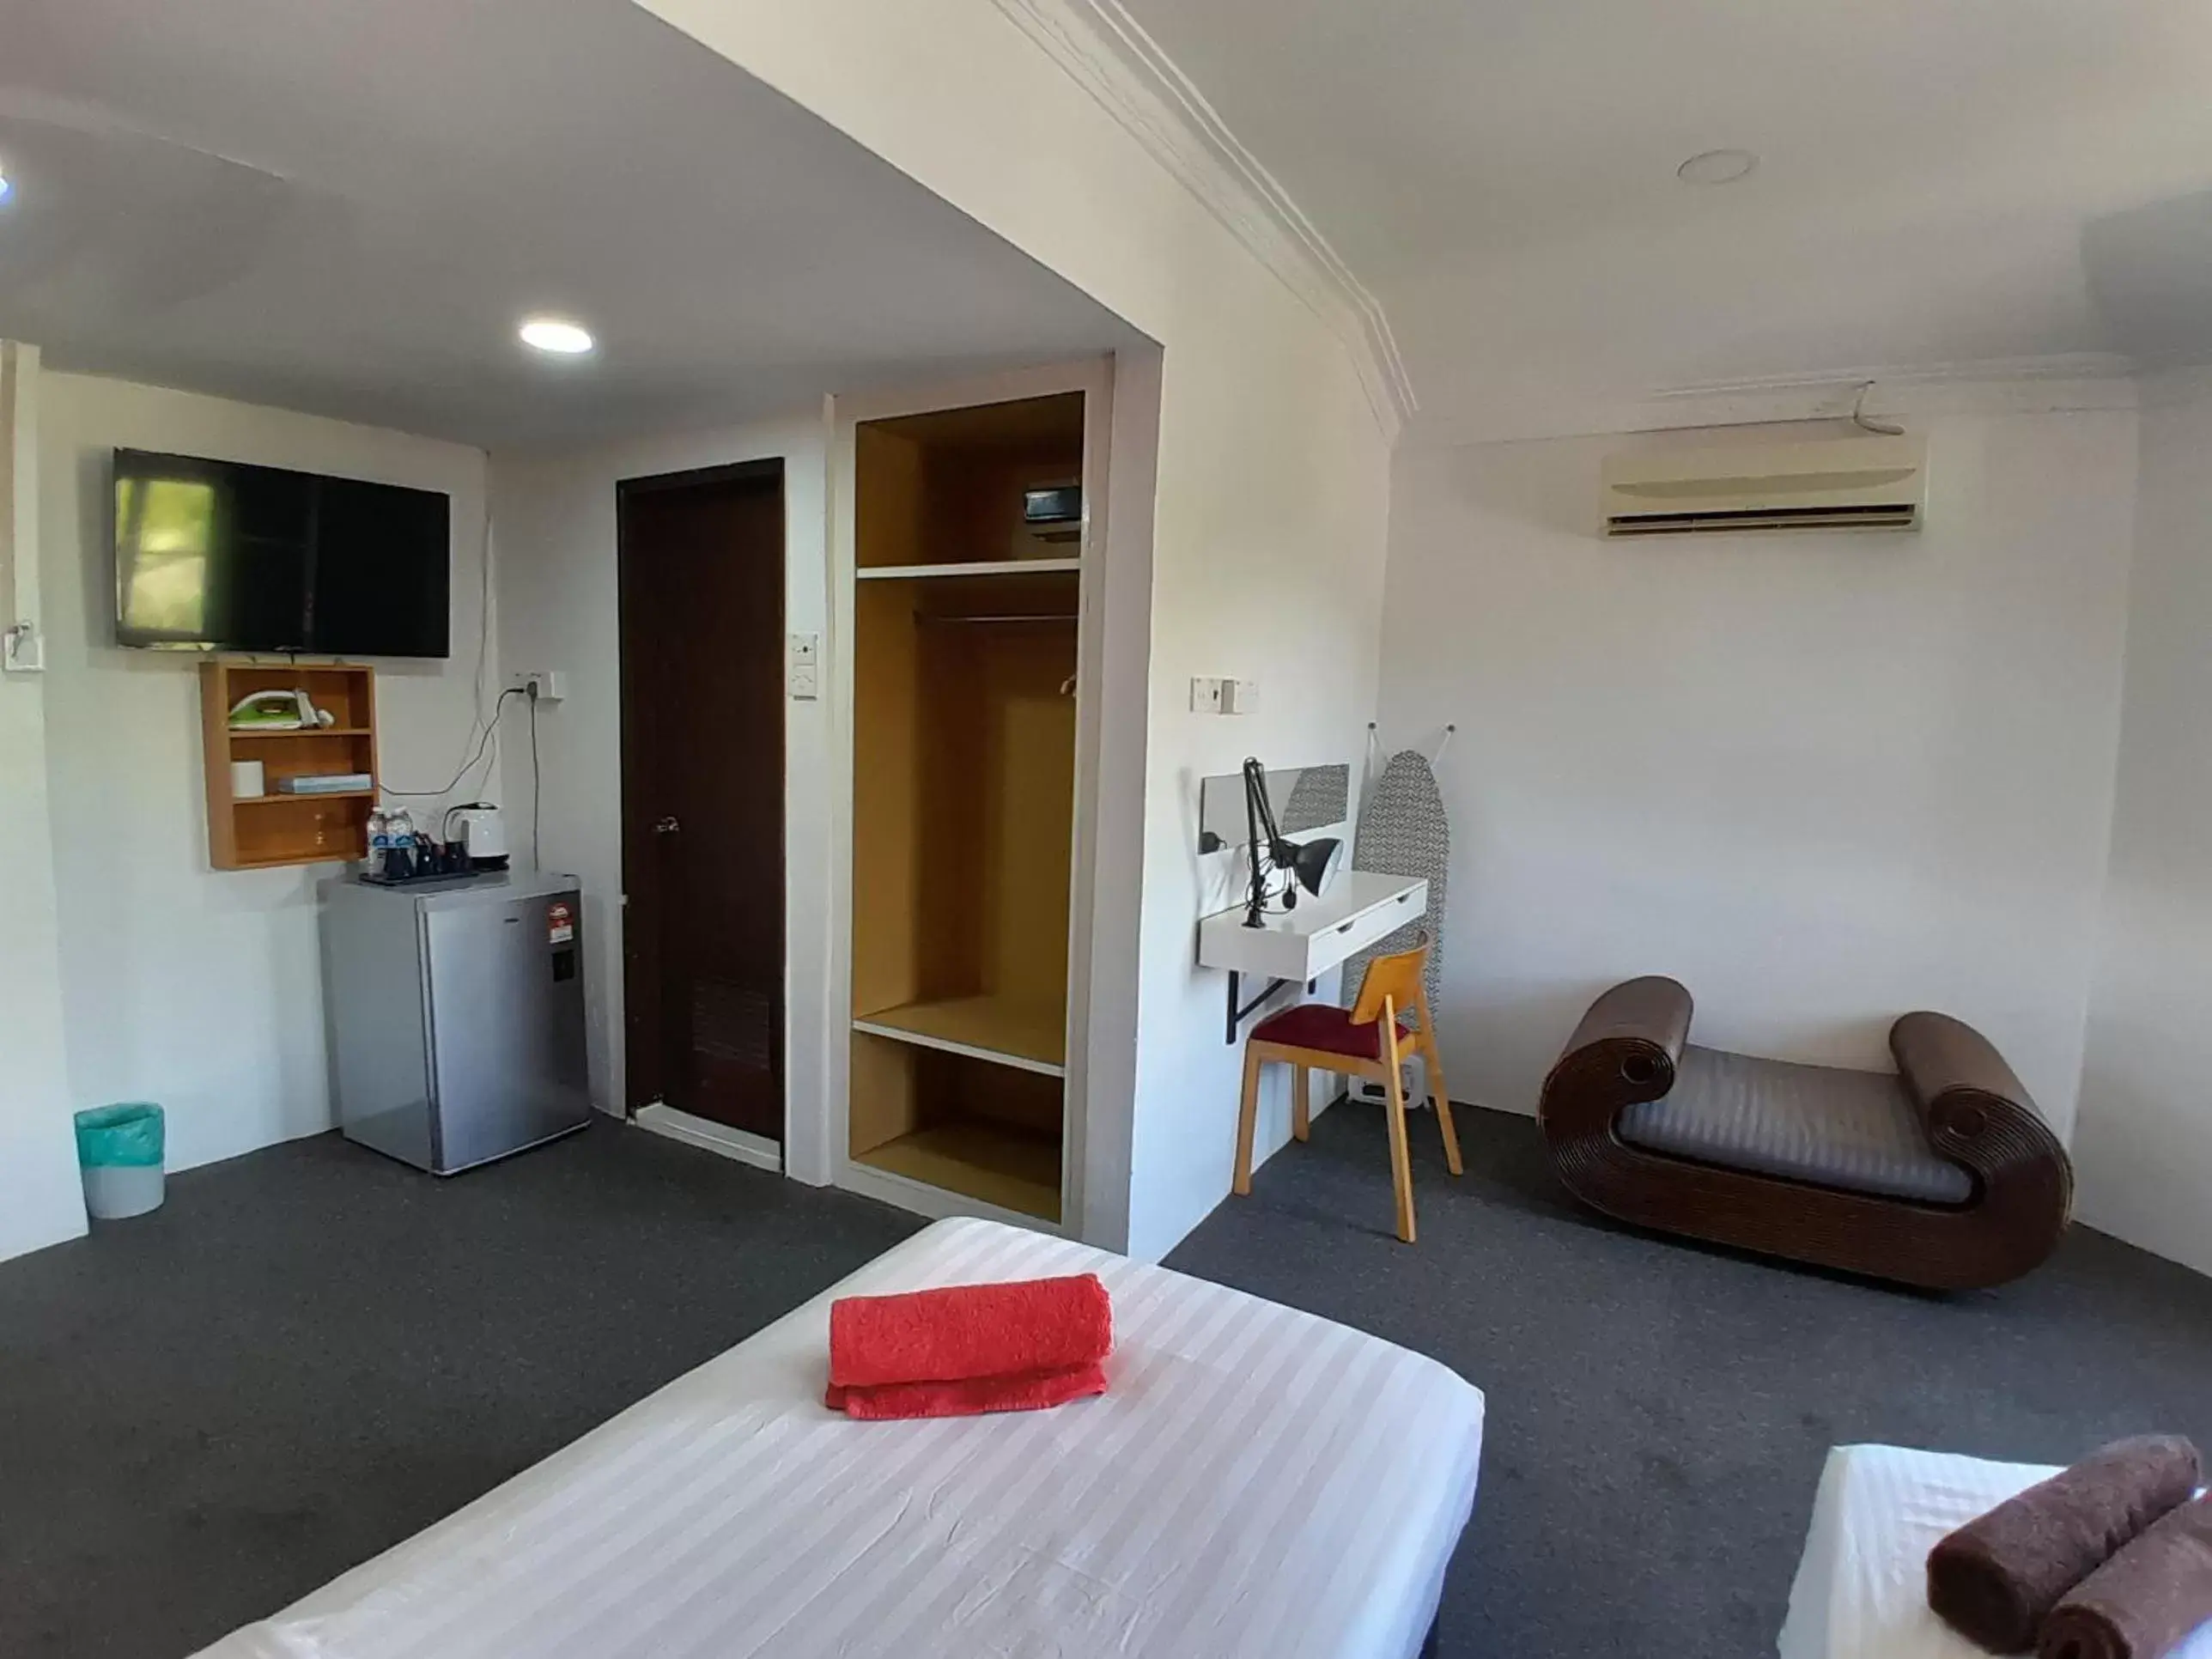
346	206
1501	173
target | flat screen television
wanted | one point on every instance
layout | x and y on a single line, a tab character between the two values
215	556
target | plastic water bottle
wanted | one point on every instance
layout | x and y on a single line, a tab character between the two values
379	840
402	825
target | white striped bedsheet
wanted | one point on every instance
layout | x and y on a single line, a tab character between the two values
1256	1481
1862	1587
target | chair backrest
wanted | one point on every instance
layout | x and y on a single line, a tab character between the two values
1398	977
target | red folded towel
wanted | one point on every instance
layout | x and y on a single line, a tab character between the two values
1016	1391
969	1348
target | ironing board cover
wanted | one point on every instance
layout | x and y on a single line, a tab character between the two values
1403	832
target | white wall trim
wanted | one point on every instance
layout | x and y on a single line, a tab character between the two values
19	474
1108	53
2016	386
758	1151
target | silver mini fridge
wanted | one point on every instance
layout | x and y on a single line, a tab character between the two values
456	1015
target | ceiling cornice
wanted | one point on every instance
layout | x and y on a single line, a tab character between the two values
2011	385
1108	53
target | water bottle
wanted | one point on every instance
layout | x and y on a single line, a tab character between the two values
379	840
402	825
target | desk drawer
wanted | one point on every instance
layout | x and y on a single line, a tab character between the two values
1360	908
1349	937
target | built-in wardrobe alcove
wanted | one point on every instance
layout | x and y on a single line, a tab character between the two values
969	591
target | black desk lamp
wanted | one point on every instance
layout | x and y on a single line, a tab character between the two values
1305	863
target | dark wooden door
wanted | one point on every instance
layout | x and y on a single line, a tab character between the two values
702	584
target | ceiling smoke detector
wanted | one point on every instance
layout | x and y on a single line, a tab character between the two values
1717	166
557	336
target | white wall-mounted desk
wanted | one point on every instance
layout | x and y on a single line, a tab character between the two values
1360	908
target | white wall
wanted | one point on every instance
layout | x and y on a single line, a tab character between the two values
197	988
2144	1150
558	609
1266	532
1821	780
39	1200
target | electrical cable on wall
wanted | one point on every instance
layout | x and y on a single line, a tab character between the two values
476	685
536	791
499	709
1887	429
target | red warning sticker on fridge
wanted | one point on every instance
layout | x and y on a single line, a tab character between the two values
560	922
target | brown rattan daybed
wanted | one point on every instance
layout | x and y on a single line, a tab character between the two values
1944	1176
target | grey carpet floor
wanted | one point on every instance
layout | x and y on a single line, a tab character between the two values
311	1354
1657	1413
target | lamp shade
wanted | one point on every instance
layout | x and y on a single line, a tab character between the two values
1310	860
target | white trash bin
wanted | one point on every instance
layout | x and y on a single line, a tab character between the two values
118	1151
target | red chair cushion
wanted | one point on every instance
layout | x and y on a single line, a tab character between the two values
1318	1026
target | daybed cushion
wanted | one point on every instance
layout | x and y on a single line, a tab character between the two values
1861	1589
1257	1482
1854	1131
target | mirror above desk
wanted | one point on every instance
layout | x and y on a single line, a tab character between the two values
1305	797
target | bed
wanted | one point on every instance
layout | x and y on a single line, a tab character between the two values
1257	1481
1861	1589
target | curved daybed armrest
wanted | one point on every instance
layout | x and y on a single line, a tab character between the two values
1653	1009
1626	1050
1976	1111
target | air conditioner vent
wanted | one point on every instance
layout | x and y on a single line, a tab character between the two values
1843	483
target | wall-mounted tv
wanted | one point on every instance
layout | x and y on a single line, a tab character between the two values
215	556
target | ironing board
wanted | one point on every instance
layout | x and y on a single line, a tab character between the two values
1403	832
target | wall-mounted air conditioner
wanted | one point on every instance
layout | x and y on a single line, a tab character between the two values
1870	482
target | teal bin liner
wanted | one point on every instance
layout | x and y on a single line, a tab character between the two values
128	1136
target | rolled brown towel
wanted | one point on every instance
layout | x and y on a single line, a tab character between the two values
2143	1601
1997	1577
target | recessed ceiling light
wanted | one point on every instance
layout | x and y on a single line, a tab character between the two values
1717	166
552	334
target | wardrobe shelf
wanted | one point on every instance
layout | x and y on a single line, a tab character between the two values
1011	1168
1032	1035
883	573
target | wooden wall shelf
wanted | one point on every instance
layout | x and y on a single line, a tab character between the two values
270	830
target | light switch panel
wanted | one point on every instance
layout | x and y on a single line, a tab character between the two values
803	676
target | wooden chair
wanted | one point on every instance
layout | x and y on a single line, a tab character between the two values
1366	1043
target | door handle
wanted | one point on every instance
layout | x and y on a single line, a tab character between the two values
666	826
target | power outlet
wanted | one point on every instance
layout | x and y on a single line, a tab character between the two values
545	685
